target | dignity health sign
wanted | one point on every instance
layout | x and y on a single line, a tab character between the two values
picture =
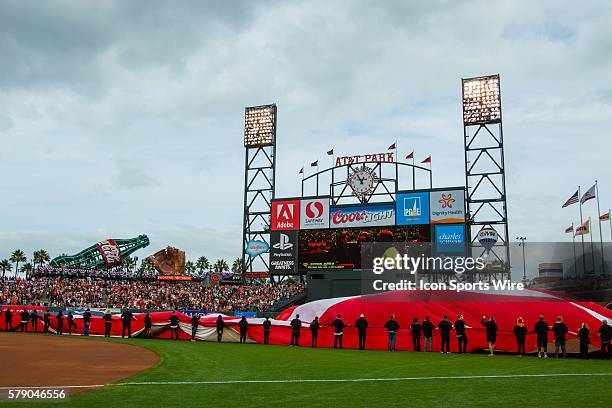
447	207
362	216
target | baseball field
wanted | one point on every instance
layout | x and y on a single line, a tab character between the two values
183	373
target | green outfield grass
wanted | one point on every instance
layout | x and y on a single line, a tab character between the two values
186	361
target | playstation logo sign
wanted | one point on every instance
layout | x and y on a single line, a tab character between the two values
283	243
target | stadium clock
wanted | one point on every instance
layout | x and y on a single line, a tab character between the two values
362	181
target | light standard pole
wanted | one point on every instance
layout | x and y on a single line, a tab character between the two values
522	243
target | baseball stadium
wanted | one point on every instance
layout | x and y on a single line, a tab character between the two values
380	282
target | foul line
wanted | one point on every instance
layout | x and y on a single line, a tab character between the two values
328	380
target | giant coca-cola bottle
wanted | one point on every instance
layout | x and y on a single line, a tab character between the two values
105	254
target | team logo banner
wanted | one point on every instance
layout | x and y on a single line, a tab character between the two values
447	207
314	214
283	252
285	215
362	216
110	252
412	208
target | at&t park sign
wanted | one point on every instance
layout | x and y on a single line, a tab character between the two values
365	158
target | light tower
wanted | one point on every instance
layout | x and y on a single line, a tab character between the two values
259	179
485	174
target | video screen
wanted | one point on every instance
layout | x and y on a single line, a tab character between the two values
341	248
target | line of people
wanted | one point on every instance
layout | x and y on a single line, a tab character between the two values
425	329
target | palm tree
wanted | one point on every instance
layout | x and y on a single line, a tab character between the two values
220	266
237	266
26	268
40	257
202	264
16	257
5	265
128	263
190	268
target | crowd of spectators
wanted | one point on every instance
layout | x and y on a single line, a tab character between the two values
121	274
140	294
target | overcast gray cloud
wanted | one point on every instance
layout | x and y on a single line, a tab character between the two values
121	118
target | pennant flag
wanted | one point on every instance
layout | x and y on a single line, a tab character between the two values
572	200
589	195
569	229
314	164
410	156
427	160
584	228
330	152
392	147
605	217
301	171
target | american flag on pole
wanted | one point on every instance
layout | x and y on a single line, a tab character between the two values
584	228
569	230
589	195
605	216
572	200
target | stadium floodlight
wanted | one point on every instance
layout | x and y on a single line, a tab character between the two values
481	100
259	126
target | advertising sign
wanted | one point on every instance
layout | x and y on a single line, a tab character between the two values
362	216
285	215
447	207
283	251
412	208
450	238
314	213
110	252
256	247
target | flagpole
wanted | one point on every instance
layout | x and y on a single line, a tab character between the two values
610	221
603	262
582	235
592	252
413	173
574	245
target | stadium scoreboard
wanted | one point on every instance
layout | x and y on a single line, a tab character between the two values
309	233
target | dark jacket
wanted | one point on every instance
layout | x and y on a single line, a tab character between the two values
107	318
266	325
428	328
361	324
583	335
220	324
126	318
520	331
415	328
445	327
147	320
541	329
25	316
296	325
174	320
491	328
560	329
86	317
8	315
314	327
338	325
605	332
34	316
460	327
244	325
194	321
392	325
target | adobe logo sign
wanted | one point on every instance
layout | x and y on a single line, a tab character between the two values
314	213
285	215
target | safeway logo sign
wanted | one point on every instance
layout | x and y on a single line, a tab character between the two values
285	215
283	243
314	213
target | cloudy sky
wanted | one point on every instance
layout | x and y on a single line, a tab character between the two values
119	118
